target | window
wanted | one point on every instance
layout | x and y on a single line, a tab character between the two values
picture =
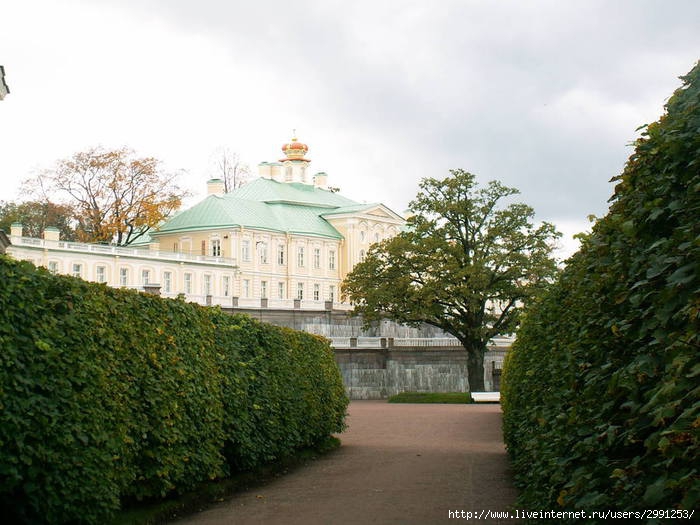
77	270
376	237
100	276
123	276
331	260
175	247
300	256
362	255
167	282
300	291
206	284
280	254
263	289
216	247
262	252
53	266
226	285
362	236
188	283
245	250
280	290
204	247
317	292
317	257
246	288
331	293
145	277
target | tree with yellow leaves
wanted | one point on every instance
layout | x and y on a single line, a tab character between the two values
117	196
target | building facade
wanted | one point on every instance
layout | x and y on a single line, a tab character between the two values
284	240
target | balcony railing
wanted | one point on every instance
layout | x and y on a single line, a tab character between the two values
126	251
497	345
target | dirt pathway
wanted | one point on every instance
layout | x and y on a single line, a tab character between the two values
399	464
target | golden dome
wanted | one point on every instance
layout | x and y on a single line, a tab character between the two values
295	150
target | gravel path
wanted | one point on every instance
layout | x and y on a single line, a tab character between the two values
399	464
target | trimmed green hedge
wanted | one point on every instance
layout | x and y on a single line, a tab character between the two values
431	397
601	392
107	395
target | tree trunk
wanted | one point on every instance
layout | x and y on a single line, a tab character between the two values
475	366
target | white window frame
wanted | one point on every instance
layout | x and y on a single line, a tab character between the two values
263	289
331	259
101	274
76	270
280	290
188	282
262	252
215	248
317	292
123	277
300	291
245	250
280	254
300	256
317	258
167	282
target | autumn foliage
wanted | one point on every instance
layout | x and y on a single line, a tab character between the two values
117	196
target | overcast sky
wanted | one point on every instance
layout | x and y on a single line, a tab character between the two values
541	95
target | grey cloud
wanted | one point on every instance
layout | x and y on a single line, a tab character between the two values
468	84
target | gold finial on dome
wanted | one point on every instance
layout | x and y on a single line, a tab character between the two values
294	150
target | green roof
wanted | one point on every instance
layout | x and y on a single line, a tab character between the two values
266	205
350	209
267	190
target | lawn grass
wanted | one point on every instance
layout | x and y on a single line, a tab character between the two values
209	493
431	397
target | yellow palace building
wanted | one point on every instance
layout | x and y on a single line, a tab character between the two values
283	240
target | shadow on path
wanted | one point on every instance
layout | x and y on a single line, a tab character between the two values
399	464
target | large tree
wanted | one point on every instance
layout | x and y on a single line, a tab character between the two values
465	263
117	196
35	216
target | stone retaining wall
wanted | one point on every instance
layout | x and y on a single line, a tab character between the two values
380	373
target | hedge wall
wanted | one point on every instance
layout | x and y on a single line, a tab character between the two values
110	394
601	393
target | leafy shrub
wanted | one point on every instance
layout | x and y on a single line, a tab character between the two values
282	390
431	397
600	394
110	394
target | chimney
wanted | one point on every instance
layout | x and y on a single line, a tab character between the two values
215	187
265	170
321	180
51	234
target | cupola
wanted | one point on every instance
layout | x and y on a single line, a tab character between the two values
295	150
